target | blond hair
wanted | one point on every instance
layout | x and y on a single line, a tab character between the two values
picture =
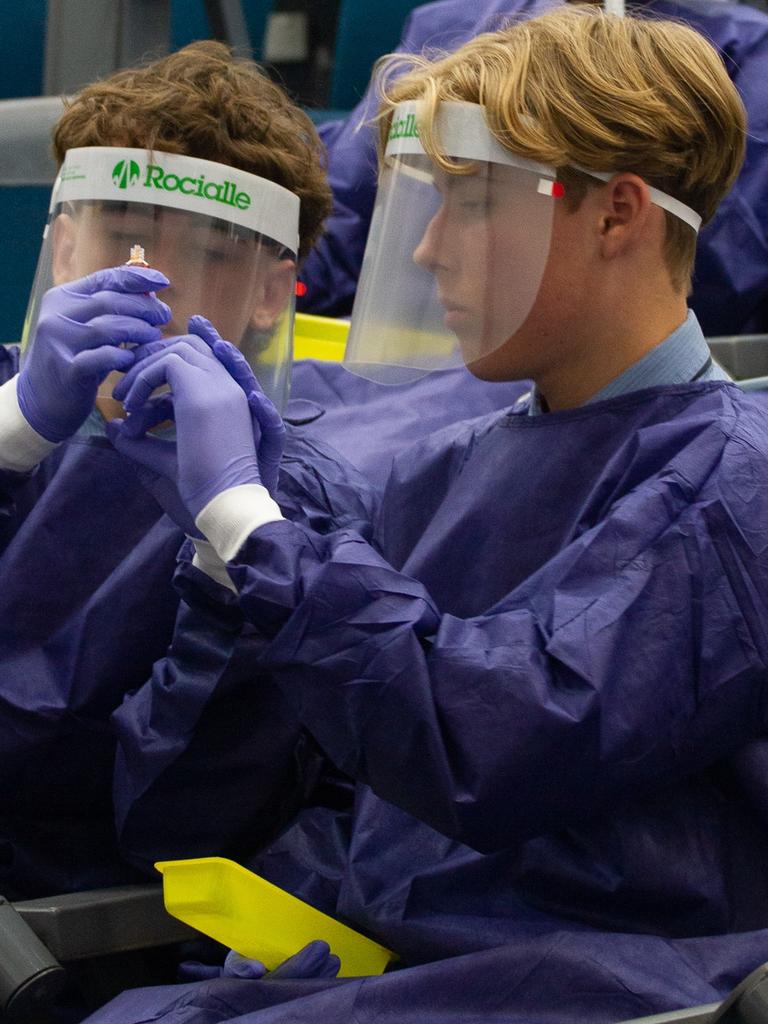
577	87
201	101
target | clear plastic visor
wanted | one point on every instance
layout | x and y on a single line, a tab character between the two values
452	267
240	279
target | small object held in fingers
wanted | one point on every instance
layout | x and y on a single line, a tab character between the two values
109	407
136	259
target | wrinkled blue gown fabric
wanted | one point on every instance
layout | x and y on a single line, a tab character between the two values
87	606
730	283
547	675
370	423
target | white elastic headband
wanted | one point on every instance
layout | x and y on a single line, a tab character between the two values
183	183
658	198
464	134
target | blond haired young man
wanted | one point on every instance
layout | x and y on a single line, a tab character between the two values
547	674
731	279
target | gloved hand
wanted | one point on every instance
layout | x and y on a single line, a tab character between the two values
214	448
313	961
80	327
160	477
268	426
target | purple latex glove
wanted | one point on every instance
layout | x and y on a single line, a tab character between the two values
160	479
268	426
313	961
79	331
214	448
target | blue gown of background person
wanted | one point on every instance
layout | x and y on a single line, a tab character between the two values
87	606
548	679
730	284
370	423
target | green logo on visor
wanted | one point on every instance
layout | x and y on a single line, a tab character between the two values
128	172
125	173
216	191
404	128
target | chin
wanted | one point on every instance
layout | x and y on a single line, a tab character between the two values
484	369
518	357
498	365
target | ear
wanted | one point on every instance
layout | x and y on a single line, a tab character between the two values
63	243
627	214
278	280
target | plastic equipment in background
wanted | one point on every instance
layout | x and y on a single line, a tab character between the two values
319	337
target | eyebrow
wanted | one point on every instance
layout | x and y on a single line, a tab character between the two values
223	228
445	181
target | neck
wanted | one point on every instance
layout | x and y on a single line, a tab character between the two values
604	346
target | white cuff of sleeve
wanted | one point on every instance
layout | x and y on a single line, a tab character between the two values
229	518
21	447
206	560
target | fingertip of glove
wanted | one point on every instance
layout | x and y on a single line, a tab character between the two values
238	966
319	946
119	391
198	320
204	329
148	278
124	357
223	348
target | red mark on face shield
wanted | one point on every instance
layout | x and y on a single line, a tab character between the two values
547	187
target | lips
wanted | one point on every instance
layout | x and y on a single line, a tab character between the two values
456	319
451	307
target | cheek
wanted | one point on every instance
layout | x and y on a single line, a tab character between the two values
564	285
515	266
89	255
226	296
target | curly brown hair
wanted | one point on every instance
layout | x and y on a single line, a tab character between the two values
202	101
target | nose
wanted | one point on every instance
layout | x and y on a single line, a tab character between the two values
430	253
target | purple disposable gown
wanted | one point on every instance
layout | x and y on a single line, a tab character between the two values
87	606
730	285
547	677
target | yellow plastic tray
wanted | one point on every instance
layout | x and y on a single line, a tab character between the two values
245	912
319	337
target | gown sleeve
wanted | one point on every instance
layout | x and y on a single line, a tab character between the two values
211	757
189	784
19	491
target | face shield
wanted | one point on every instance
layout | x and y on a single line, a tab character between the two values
226	239
454	259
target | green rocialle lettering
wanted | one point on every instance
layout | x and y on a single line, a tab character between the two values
404	128
217	192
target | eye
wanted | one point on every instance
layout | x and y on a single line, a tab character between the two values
217	255
122	237
473	204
